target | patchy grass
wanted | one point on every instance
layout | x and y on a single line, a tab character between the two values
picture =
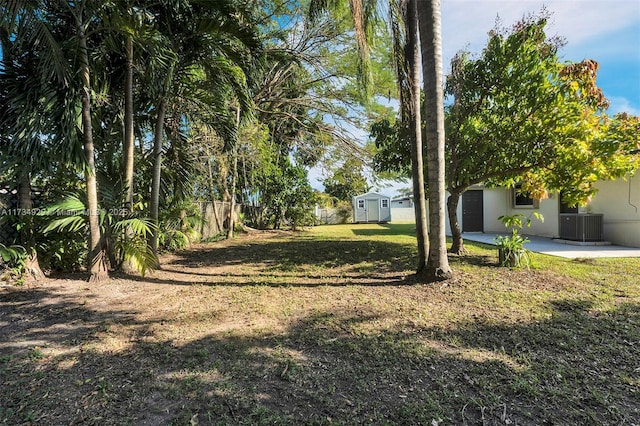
326	327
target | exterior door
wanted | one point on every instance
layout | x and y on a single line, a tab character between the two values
472	211
373	210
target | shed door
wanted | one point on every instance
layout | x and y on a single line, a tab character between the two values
373	211
472	208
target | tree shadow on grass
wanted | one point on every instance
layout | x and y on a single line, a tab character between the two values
268	280
291	255
324	369
49	371
576	367
298	262
387	229
31	316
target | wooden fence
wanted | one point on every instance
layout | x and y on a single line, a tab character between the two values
216	217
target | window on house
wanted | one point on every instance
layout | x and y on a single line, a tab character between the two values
361	204
566	208
385	204
523	200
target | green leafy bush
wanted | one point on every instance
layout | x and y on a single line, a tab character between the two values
511	251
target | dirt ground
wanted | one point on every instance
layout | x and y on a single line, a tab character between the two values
276	328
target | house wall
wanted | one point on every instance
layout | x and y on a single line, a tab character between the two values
498	202
403	215
491	203
619	202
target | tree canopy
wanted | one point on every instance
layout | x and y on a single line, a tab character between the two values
346	181
519	115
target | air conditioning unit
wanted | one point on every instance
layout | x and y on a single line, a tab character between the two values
581	227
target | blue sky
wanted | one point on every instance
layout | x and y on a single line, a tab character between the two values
607	31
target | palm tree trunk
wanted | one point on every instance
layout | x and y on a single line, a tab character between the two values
155	183
216	216
128	143
25	205
234	178
430	37
97	259
232	208
412	55
457	247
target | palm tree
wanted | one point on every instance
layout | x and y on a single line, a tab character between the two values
205	50
18	148
46	67
408	75
154	205
128	142
64	66
132	31
404	34
431	43
97	259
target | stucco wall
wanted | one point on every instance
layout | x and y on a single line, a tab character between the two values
619	202
497	202
402	215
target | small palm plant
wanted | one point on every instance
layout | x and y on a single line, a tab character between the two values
180	226
12	261
124	234
511	251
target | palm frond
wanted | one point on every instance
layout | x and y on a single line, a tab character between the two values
138	254
70	214
11	253
136	226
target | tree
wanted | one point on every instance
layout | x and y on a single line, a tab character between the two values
346	181
58	31
97	259
304	91
21	148
430	41
406	59
521	116
202	70
410	106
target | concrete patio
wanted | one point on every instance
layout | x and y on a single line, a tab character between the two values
558	248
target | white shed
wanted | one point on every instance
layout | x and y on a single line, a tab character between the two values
371	207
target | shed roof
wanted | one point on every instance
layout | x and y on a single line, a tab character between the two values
371	193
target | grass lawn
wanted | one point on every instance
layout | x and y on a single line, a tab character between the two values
326	327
